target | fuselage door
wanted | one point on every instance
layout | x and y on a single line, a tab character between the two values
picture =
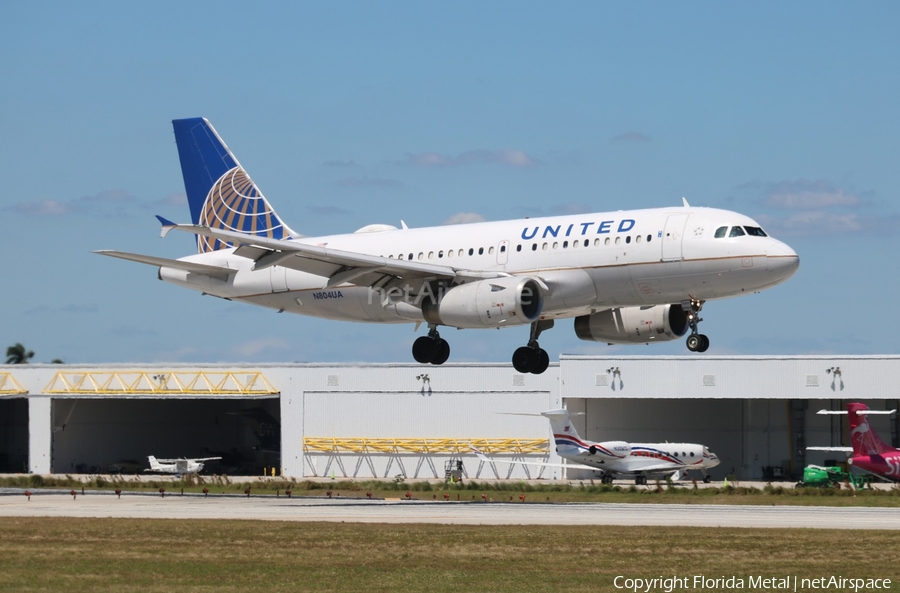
503	252
279	279
672	236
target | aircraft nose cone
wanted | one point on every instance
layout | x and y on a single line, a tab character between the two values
781	260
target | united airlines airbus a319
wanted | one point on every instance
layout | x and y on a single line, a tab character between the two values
631	276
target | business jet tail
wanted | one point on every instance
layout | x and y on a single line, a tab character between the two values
220	193
154	464
865	441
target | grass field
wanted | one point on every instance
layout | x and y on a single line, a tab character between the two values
73	555
661	492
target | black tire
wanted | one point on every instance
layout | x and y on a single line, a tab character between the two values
704	344
423	349
693	342
541	361
441	351
523	359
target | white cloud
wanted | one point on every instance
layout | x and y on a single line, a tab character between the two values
254	347
809	195
44	208
631	137
508	158
464	218
368	182
811	223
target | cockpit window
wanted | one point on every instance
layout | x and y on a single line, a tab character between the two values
721	231
755	231
736	231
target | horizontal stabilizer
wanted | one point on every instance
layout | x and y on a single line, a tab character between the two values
214	271
840	449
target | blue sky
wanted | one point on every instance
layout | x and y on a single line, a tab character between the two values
352	113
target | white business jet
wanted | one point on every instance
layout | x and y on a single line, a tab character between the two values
614	458
177	466
632	276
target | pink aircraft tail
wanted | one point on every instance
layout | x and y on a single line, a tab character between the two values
862	437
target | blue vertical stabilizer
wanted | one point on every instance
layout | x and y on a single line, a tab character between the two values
220	193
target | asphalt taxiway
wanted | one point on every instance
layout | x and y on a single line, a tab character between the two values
270	508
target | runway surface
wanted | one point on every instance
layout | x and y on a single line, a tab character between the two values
269	508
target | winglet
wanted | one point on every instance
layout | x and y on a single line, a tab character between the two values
167	225
686	205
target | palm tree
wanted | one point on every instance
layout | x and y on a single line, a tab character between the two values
16	354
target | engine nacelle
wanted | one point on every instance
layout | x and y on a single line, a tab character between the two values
497	302
633	325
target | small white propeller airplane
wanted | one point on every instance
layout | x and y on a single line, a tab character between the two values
637	460
177	466
625	277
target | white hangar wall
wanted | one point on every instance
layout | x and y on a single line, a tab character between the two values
757	413
754	412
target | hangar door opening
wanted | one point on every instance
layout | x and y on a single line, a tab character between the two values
750	437
13	435
106	435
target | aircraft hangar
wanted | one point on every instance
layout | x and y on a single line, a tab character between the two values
758	414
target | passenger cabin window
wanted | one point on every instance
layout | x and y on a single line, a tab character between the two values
481	251
736	231
503	249
471	251
490	250
720	232
755	231
518	248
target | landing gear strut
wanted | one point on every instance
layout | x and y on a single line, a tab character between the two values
696	342
431	348
532	358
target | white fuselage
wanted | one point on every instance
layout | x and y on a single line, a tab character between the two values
588	262
620	457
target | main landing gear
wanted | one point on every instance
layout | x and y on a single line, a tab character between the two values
431	348
696	342
532	358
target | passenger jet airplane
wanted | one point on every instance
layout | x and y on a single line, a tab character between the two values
638	460
869	453
631	276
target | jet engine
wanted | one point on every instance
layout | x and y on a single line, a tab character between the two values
497	302
633	325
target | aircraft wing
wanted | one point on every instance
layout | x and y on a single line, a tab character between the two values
338	265
841	449
487	459
205	459
214	271
661	468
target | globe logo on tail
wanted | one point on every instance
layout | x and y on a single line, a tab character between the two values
235	204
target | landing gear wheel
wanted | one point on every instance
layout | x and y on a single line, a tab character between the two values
531	360
441	351
697	343
424	349
523	359
706	479
640	480
607	479
542	361
704	343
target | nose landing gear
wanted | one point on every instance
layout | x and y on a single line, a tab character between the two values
696	342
